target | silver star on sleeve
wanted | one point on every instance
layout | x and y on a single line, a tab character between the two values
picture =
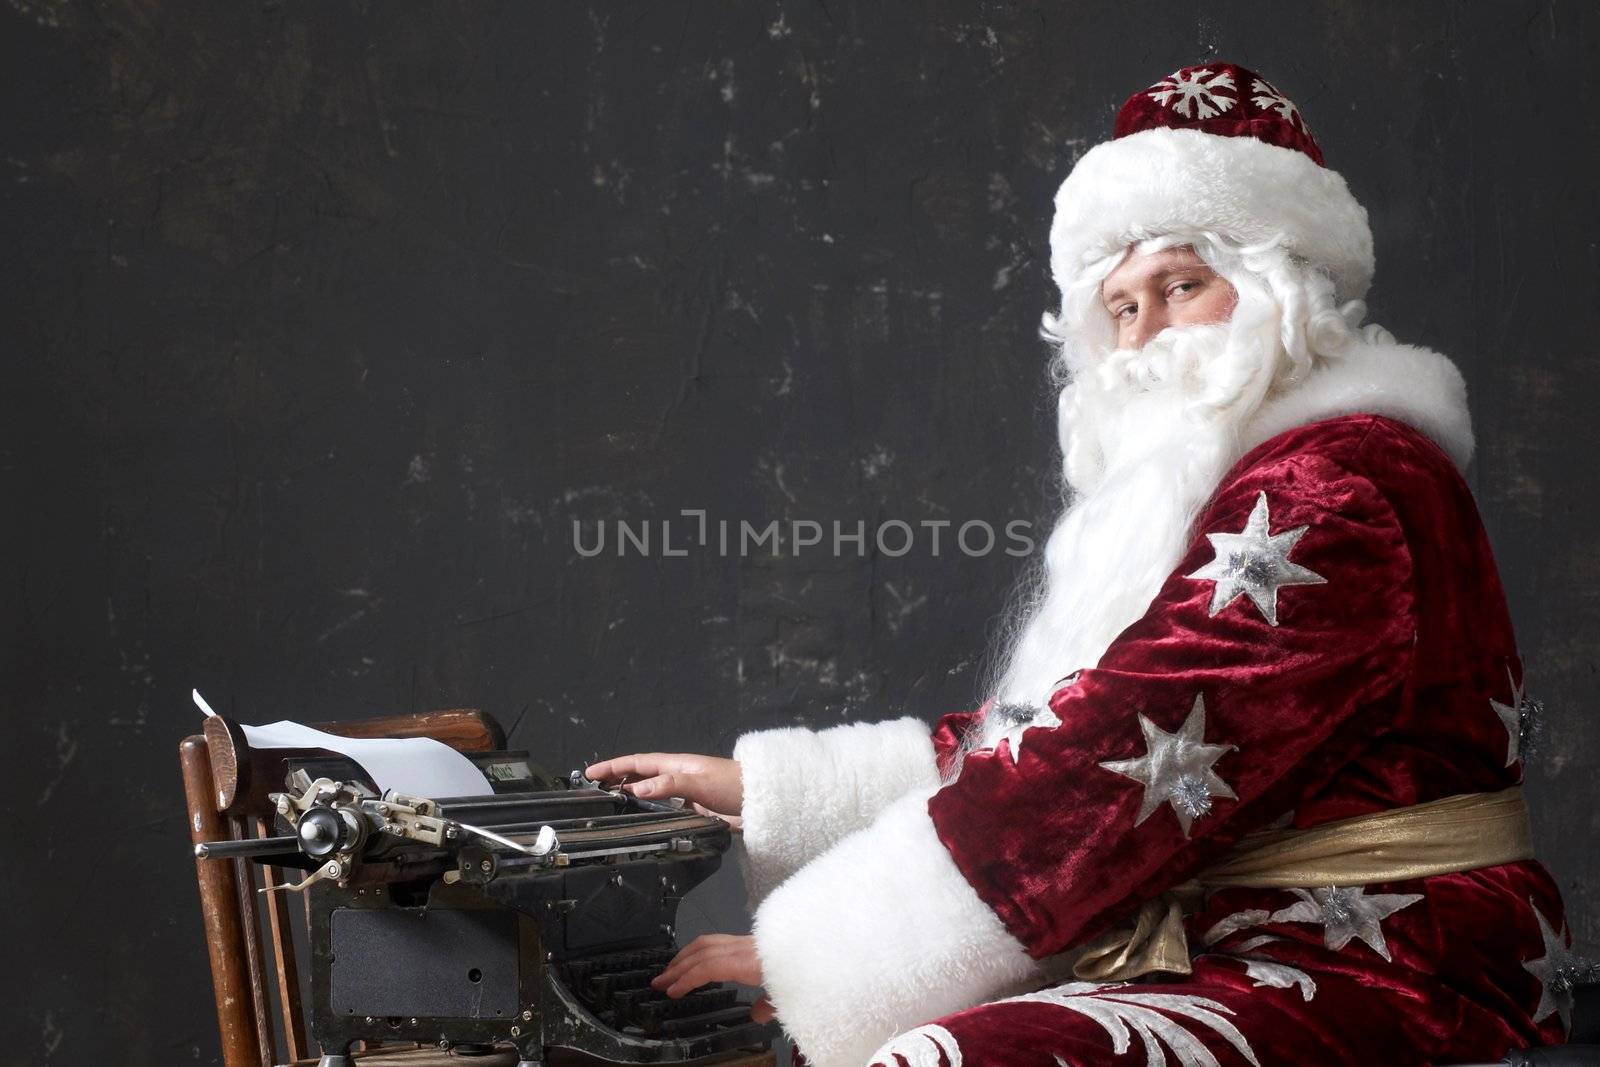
1018	720
1176	768
1013	720
1346	914
1255	563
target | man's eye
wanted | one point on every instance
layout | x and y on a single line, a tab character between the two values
1121	311
1183	287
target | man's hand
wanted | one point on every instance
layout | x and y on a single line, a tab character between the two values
715	958
714	786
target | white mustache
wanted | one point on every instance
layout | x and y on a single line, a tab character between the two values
1175	355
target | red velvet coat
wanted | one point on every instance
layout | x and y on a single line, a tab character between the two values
1393	681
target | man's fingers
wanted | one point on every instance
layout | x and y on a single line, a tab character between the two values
708	968
761	1011
688	785
621	767
710	958
635	766
688	980
701	944
662	785
670	978
685	956
704	947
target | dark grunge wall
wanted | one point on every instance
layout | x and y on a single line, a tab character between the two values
324	322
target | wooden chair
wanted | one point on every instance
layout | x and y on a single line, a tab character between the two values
226	784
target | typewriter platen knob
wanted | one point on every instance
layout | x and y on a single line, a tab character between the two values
324	831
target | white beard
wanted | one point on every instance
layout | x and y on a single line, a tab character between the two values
1148	452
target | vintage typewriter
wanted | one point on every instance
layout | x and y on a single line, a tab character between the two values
534	916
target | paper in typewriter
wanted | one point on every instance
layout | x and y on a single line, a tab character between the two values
419	766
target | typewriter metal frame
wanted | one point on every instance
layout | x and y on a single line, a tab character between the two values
533	910
451	935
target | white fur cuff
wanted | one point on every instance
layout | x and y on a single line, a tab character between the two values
805	789
878	936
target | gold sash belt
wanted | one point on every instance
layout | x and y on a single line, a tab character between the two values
1459	833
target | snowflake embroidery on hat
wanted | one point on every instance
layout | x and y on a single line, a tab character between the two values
1196	89
1268	97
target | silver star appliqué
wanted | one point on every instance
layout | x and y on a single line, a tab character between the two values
1255	563
1018	719
1520	719
1176	768
1557	971
1013	720
1346	914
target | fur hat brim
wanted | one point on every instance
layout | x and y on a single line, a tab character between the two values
1163	181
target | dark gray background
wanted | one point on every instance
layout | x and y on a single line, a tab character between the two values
323	323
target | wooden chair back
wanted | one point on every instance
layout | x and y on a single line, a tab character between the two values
226	784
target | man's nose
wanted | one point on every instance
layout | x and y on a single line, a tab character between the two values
1151	321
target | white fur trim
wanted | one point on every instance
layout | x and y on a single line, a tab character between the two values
878	935
1175	180
1413	385
804	789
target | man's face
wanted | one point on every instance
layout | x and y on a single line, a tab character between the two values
1149	291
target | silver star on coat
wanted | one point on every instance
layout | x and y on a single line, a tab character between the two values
1020	718
1556	971
1255	563
1346	914
1176	768
1517	717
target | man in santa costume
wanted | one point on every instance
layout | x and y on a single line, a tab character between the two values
1248	787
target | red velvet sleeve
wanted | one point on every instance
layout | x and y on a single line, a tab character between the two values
1205	718
948	732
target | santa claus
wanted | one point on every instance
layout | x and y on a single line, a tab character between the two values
1248	787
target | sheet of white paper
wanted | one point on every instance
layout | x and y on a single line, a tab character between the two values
419	766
